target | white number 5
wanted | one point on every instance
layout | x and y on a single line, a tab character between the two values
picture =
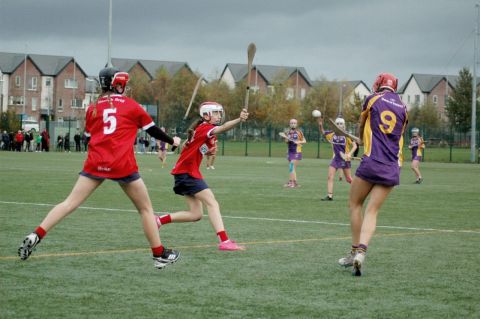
110	120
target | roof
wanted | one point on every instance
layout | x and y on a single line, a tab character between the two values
351	85
150	66
48	65
271	73
427	82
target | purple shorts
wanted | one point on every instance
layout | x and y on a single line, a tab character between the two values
377	172
417	158
340	163
294	156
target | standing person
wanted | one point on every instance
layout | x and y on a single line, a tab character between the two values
295	140
6	141
85	139
188	179
38	142
162	150
153	145
28	141
77	138
416	145
112	122
66	143
141	141
381	126
212	154
59	143
45	140
340	144
19	141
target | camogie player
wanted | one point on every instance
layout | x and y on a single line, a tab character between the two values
295	140
212	154
416	145
111	123
381	127
189	181
162	149
340	144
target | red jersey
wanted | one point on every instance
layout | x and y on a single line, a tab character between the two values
193	151
112	135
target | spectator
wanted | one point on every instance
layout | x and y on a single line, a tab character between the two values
28	141
85	142
5	141
19	141
141	141
38	140
11	136
153	144
66	142
59	143
77	139
45	141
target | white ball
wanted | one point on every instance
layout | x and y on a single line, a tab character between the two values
316	113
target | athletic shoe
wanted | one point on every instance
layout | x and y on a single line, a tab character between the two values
327	198
29	243
419	181
358	261
168	257
289	184
230	245
347	261
212	167
208	167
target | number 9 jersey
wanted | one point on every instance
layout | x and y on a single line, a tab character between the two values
386	119
112	124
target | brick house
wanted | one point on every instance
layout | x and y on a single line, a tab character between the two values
264	77
150	67
42	85
428	88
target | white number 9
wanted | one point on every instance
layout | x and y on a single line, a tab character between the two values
110	121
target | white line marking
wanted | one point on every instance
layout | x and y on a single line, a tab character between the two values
268	219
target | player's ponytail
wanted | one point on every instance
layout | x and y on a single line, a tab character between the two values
192	128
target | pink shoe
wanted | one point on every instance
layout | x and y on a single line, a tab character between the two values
230	245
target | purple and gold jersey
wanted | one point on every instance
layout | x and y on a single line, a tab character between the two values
339	144
417	145
294	135
384	127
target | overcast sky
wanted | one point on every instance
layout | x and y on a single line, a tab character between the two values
337	39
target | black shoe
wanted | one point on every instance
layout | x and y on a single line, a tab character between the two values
27	246
327	198
419	181
168	257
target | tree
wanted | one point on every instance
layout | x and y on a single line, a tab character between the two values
139	88
351	111
459	104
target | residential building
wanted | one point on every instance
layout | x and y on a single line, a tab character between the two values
149	67
264	77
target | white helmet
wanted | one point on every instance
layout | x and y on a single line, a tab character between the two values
340	122
415	130
206	108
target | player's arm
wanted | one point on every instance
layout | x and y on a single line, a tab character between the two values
354	148
231	124
157	133
320	125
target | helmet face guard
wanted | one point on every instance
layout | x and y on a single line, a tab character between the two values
385	81
293	123
111	79
340	122
415	131
207	108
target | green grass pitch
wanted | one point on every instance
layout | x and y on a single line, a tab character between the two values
422	263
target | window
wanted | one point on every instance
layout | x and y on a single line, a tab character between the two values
33	83
270	90
408	98
17	81
60	105
417	98
303	93
290	93
71	84
48	82
76	103
435	99
34	103
15	100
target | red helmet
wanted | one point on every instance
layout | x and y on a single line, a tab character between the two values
385	80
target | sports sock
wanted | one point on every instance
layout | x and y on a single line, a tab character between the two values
222	235
165	219
157	251
362	248
354	248
40	232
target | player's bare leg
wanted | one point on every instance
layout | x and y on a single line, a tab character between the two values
347	174
83	188
138	194
330	180
416	170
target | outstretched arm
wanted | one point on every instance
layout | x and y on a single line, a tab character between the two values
156	132
231	124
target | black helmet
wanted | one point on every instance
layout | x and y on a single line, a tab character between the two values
106	78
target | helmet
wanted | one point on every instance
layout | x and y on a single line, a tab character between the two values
340	122
415	130
293	123
206	108
110	77
385	80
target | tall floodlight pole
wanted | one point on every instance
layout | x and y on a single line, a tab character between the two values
109	62
474	89
24	86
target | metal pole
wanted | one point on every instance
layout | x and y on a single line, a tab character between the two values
24	86
109	61
474	89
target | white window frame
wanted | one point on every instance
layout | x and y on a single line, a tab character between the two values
60	105
33	83
289	93
18	81
48	82
71	84
435	99
34	103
